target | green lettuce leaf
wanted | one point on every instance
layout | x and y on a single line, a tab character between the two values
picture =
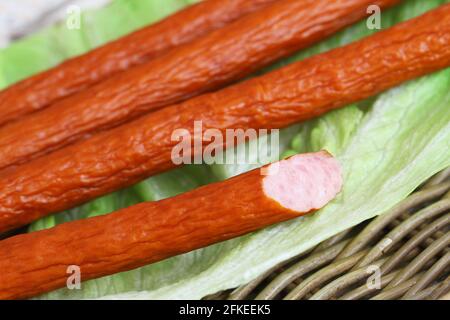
387	145
51	46
389	154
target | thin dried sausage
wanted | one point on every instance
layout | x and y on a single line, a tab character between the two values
210	62
297	92
79	73
34	263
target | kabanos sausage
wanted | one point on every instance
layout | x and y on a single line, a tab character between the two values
212	61
125	155
34	263
81	72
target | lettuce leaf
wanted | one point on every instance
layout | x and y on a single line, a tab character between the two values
51	46
387	145
401	141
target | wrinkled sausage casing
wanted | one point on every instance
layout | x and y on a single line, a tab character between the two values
208	63
81	72
125	155
38	262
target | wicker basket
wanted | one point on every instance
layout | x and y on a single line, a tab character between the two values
402	254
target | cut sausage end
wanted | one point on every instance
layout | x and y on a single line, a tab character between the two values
304	182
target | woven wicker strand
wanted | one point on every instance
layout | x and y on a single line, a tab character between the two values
409	246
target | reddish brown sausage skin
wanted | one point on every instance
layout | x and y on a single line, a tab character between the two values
301	91
37	262
212	61
76	74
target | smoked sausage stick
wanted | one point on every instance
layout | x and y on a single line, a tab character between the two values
37	262
125	155
79	73
210	62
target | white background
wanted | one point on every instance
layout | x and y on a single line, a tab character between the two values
21	17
